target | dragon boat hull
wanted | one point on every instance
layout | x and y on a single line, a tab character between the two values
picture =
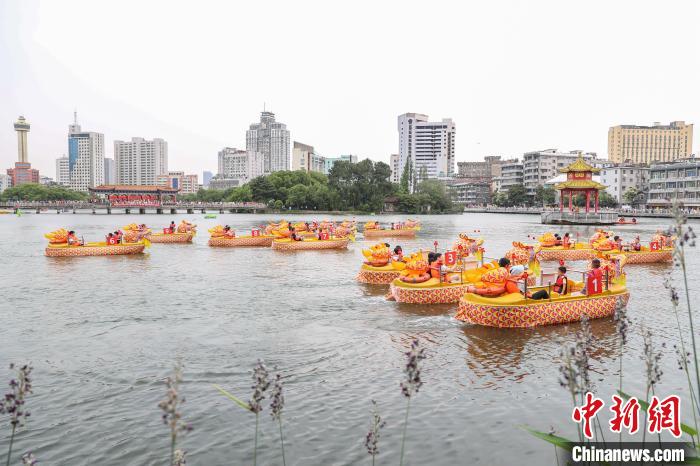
171	237
310	245
92	249
377	275
438	294
643	257
402	233
570	254
241	241
516	312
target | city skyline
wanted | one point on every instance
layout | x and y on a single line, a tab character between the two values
505	76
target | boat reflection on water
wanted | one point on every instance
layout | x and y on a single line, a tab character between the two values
494	354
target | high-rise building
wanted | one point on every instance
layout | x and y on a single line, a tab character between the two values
238	167
187	184
62	171
649	144
271	139
206	178
429	147
305	158
22	171
330	161
110	171
85	157
139	161
394	163
542	165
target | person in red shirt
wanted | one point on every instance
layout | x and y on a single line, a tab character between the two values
561	285
596	273
566	241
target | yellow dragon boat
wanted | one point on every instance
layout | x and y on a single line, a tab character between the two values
643	256
310	244
220	238
379	269
549	250
59	247
184	233
407	230
514	310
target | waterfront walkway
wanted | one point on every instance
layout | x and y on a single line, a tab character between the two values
102	208
660	213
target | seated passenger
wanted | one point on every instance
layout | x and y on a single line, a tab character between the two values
398	254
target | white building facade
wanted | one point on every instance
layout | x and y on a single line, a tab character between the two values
240	165
429	147
5	182
540	166
86	154
511	175
271	139
618	179
110	171
62	171
139	161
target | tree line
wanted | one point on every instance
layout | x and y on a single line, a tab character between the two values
40	192
362	186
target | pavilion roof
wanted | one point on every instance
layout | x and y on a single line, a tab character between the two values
580	184
580	165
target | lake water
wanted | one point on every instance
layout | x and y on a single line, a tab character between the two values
103	333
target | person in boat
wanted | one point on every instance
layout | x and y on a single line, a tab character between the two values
595	272
73	240
561	285
636	244
228	232
634	220
504	262
118	236
618	242
557	238
109	239
293	235
398	254
566	241
172	227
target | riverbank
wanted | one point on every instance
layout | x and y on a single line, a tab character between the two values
534	211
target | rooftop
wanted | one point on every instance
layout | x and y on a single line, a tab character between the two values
580	165
123	188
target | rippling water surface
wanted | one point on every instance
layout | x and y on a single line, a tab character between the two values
103	332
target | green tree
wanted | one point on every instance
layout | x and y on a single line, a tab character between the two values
406	176
297	196
435	195
262	189
544	195
501	199
630	196
517	195
39	192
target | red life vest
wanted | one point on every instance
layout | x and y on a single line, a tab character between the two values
561	286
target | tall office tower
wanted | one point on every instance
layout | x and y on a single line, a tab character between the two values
140	162
85	157
271	139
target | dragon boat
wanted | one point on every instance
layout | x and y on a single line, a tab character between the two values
660	249
221	237
514	310
550	249
59	247
310	244
418	285
379	269
184	233
405	230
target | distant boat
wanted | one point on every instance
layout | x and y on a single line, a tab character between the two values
5	212
210	216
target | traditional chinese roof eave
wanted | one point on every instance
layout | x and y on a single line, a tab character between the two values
579	184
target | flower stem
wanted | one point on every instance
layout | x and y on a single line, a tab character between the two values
405	427
255	449
9	450
690	318
284	463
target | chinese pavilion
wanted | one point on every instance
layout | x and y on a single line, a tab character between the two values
135	196
579	180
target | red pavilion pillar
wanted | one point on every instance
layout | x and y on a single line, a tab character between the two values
571	201
561	200
596	201
588	201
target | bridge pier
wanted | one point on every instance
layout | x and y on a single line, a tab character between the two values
94	211
127	211
173	211
142	211
159	211
109	211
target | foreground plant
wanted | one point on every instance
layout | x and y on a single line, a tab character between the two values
261	383
172	417
13	402
372	439
276	406
411	383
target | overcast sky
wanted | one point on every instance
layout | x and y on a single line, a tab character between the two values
514	75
